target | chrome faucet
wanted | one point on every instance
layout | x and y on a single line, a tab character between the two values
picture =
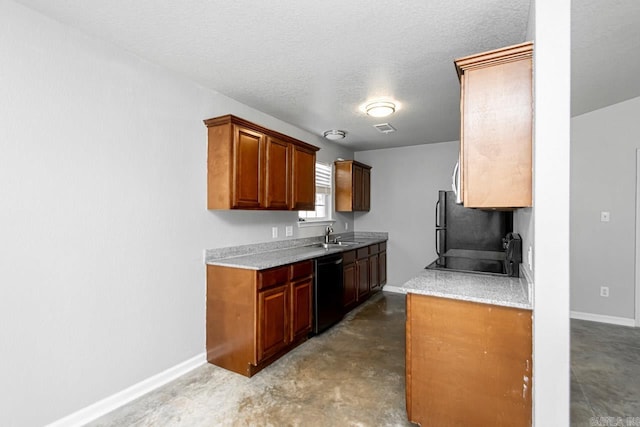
327	232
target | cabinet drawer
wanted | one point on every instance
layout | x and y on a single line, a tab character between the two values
274	276
383	246
301	269
363	252
348	257
374	249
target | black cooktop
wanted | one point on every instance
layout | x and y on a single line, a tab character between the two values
471	261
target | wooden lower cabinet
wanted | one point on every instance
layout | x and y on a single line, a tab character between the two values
374	268
362	265
382	268
301	308
349	280
364	272
467	363
254	317
273	331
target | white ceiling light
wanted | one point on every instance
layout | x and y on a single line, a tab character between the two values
380	109
335	134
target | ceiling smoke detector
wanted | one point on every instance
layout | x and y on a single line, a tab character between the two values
384	128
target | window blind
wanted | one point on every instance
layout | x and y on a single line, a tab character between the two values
323	178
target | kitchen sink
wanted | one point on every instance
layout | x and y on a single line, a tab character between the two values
333	244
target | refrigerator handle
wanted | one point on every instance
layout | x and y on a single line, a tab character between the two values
438	242
437	216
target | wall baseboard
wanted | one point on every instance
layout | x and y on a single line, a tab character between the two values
622	321
108	404
394	289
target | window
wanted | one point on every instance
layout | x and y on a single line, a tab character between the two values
323	196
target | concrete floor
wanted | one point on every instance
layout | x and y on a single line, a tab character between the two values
353	375
605	374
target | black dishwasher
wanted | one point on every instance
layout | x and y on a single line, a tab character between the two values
327	292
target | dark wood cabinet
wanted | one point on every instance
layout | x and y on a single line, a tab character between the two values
364	272
366	189
374	269
254	317
382	264
467	363
252	167
362	265
496	102
352	186
350	280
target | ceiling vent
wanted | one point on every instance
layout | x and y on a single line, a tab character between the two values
384	128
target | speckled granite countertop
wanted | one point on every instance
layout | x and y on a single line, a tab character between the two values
504	291
266	255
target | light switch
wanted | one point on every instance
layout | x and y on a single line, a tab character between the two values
288	231
605	216
274	232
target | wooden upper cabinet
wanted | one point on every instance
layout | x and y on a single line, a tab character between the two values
352	186
366	189
278	175
304	179
496	106
252	167
248	150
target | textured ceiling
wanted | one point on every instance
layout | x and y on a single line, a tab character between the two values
605	53
313	63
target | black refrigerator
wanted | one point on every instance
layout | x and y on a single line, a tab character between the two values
470	239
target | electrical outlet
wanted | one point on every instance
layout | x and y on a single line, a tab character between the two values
288	231
605	216
274	232
346	225
604	291
530	258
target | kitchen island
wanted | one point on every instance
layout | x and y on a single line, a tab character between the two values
468	349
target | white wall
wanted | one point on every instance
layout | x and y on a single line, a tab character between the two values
103	218
404	190
603	178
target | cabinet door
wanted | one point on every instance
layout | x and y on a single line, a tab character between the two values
277	173
273	324
467	363
496	135
366	189
301	294
363	278
248	147
303	178
358	196
350	290
382	268
374	280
